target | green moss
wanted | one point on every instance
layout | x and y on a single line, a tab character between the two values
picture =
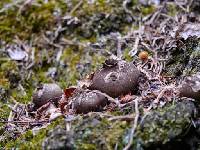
193	66
97	133
184	59
33	19
100	17
8	66
78	64
4	112
4	82
8	73
172	10
146	10
93	131
126	55
95	18
30	141
86	146
71	56
19	96
165	124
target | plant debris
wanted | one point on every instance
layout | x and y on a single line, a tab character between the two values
122	74
188	30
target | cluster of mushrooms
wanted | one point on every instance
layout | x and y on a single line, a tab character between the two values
114	79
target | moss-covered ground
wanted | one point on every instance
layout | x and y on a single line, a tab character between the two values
83	22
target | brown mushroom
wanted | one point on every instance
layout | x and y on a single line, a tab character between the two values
84	101
191	87
116	78
143	55
45	93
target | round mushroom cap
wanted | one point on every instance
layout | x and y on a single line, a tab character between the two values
191	87
45	93
116	79
88	101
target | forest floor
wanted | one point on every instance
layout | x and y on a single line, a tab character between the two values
99	74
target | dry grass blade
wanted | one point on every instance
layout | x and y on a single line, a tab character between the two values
134	125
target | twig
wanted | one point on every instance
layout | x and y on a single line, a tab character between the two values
152	19
134	51
119	47
50	42
134	125
24	6
68	126
11	117
76	7
20	113
160	95
125	7
24	121
179	5
109	98
189	5
70	42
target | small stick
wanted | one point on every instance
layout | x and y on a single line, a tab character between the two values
134	51
179	5
119	48
134	125
24	121
162	93
20	113
160	96
76	7
125	7
109	98
11	117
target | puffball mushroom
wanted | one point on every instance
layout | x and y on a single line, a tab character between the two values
116	78
45	93
84	101
191	87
